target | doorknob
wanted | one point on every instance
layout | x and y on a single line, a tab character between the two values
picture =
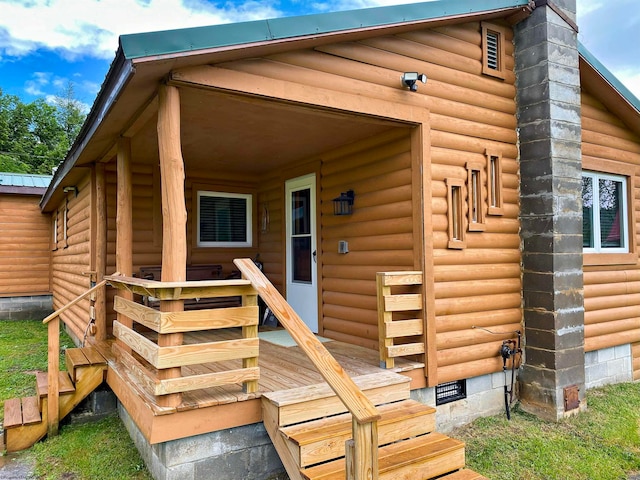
314	257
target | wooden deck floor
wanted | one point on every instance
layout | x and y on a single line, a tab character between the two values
281	368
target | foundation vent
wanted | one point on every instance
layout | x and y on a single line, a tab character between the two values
451	391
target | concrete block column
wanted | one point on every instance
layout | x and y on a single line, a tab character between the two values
548	98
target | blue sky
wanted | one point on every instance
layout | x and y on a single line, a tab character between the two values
44	44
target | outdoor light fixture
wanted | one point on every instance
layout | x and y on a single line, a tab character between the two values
410	79
343	205
71	188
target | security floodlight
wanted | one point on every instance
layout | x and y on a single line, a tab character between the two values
410	79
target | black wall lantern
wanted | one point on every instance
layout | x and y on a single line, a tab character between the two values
343	205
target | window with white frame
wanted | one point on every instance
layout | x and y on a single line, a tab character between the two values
604	213
224	219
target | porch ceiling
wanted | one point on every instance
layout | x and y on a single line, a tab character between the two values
231	133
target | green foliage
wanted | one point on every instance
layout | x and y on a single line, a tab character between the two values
12	165
601	444
36	136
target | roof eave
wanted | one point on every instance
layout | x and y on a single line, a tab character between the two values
22	190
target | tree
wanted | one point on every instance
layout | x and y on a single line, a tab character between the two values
37	135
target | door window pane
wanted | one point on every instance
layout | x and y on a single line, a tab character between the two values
301	235
301	248
301	212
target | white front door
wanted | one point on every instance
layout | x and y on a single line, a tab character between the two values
302	288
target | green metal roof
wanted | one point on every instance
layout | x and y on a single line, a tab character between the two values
215	36
24	180
609	77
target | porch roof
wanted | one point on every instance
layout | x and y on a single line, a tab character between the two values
153	44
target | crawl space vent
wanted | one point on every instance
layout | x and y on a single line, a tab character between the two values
451	391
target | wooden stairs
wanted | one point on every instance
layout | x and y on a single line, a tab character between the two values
25	419
309	428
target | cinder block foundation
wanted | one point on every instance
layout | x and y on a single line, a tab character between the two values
30	307
238	453
485	397
608	366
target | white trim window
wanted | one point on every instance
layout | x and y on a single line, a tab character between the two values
224	219
605	213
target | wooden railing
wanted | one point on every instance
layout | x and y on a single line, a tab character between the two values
53	359
362	450
158	357
398	308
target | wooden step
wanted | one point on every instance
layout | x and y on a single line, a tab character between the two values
464	474
321	440
317	401
76	358
21	411
423	457
31	410
12	413
65	384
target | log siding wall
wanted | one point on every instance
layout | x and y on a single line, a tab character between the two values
25	246
72	257
612	292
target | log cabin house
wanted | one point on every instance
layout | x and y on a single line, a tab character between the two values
25	283
415	227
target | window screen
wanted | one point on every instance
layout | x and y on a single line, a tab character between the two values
224	219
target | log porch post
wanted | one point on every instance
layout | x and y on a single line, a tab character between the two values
100	243
124	222
174	213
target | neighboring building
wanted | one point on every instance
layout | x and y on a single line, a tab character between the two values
25	248
236	141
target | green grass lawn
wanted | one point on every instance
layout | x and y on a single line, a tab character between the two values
600	444
95	450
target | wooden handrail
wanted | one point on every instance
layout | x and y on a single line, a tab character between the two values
333	373
361	451
53	360
73	302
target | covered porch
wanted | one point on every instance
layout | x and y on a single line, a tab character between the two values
226	361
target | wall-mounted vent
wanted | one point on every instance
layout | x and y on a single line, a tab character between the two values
493	57
493	49
451	391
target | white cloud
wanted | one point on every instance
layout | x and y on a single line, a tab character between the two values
91	27
37	83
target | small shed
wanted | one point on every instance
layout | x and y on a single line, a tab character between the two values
25	247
